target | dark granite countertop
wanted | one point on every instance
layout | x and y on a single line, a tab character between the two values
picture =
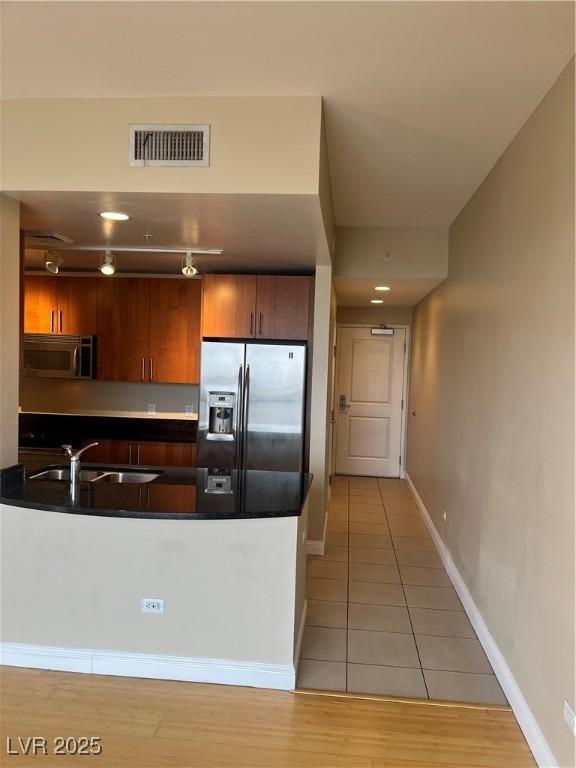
51	430
177	493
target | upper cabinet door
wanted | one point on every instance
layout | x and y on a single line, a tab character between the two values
175	331
123	328
282	307
78	305
40	304
229	306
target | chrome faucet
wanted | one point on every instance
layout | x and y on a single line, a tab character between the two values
75	463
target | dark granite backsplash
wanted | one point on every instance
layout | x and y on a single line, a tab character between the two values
44	430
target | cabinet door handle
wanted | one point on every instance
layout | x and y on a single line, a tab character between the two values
251	323
260	323
142	369
130	454
138	459
51	321
151	370
60	317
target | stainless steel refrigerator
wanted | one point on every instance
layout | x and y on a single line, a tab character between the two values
252	406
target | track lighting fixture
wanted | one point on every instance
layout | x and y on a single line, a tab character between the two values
188	268
53	263
108	267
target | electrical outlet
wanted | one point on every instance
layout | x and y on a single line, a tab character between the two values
569	717
189	409
151	408
152	605
444	515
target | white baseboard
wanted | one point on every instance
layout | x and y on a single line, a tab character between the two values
245	673
528	723
316	546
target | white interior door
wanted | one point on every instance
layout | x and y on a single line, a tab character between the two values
369	406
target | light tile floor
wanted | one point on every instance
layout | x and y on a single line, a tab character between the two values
383	617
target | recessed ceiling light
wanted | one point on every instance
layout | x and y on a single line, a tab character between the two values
107	267
114	215
376	301
382	288
53	263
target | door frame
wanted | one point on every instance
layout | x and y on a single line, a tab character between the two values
405	384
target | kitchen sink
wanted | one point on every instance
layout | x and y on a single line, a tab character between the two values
86	475
128	477
96	476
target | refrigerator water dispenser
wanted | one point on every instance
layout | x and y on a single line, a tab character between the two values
221	415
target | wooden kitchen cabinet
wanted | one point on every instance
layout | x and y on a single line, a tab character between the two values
229	306
107	452
40	303
174	340
283	305
123	329
60	305
274	307
167	454
140	453
149	330
78	305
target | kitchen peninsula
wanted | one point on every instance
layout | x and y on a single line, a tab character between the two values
223	552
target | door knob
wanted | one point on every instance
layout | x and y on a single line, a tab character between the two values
343	404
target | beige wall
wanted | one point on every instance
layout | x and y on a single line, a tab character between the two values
9	328
492	385
325	192
108	397
375	315
258	145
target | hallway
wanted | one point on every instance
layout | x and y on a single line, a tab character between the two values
383	617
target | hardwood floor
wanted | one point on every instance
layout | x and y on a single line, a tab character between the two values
156	723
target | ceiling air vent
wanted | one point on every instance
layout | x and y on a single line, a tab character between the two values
46	237
169	144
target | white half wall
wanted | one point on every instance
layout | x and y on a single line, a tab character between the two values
233	592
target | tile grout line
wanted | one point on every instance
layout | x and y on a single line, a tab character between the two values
404	593
347	584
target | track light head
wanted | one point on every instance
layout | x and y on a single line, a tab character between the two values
188	267
53	263
108	267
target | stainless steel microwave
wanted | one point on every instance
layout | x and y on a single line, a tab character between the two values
59	357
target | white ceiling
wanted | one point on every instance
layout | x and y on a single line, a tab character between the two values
404	291
272	233
421	98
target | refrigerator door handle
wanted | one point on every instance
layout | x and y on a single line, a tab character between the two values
239	409
245	404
